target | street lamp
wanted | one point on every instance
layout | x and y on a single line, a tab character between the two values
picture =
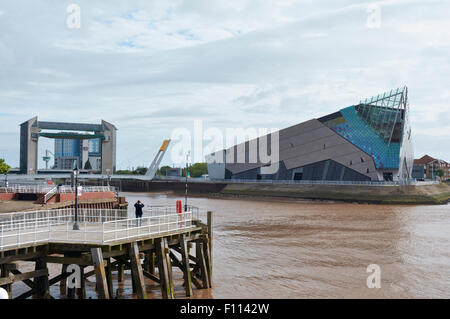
186	192
75	173
6	179
108	176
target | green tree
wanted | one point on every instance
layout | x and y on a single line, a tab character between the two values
162	170
4	168
196	170
140	170
440	173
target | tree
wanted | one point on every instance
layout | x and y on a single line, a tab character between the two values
162	170
196	170
440	173
4	168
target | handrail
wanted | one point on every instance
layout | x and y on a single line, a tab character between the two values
97	226
50	194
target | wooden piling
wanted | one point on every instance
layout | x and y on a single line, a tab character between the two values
63	283
185	264
100	275
41	282
5	274
161	257
82	290
200	254
136	271
120	271
108	272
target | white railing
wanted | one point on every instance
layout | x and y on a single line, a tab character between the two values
44	189
145	226
7	190
86	189
292	182
50	194
95	226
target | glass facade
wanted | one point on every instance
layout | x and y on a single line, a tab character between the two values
94	146
67	148
380	127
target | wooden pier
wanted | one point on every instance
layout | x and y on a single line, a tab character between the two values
189	250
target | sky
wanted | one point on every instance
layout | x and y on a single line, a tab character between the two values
152	67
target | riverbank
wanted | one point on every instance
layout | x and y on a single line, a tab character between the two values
405	195
437	194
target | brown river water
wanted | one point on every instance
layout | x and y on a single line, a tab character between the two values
304	249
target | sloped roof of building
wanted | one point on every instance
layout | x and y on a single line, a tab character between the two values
424	160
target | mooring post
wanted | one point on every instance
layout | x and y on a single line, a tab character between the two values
186	268
161	258
108	271
136	271
42	283
210	243
100	275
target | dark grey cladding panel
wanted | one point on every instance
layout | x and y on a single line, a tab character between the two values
248	174
70	126
299	129
330	117
241	167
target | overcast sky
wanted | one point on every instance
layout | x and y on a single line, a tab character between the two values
150	67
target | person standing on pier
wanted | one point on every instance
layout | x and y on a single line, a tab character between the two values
138	212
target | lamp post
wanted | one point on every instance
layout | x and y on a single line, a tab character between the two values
6	179
108	176
186	190
75	173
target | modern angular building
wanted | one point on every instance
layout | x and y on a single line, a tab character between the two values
369	141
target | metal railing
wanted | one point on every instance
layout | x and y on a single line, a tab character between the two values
96	226
50	194
45	189
7	190
292	182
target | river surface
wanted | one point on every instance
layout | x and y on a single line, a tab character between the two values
304	249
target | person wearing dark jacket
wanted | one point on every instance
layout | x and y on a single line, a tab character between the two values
138	206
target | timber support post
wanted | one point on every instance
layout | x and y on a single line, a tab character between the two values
136	271
4	273
120	271
185	264
82	290
163	268
108	272
42	284
63	283
200	254
100	274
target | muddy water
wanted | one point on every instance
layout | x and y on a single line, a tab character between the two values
276	249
